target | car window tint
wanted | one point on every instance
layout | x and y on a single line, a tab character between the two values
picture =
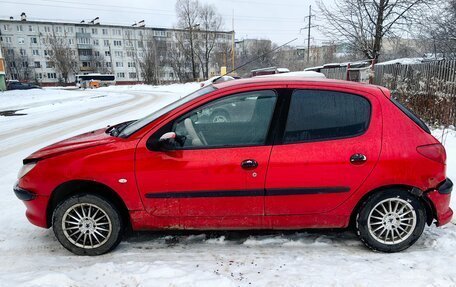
237	120
323	115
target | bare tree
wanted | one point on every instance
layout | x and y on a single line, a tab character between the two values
209	22
178	60
61	55
364	23
438	29
187	19
152	58
18	65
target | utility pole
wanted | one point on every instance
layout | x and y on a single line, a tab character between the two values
309	26
232	43
308	33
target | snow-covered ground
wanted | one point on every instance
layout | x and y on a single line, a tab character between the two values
30	256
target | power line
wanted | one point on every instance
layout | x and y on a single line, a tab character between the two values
142	10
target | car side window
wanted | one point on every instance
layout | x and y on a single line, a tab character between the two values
237	120
323	115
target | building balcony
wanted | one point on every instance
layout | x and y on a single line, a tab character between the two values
87	69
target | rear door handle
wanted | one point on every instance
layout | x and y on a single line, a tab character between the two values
249	164
358	158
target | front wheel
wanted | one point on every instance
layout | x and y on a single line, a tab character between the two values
390	221
87	225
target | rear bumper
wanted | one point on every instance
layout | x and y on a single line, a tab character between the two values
440	198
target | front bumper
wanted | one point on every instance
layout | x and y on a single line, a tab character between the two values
440	198
36	206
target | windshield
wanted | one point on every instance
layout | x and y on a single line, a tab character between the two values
139	124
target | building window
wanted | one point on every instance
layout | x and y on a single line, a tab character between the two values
37	65
117	43
140	44
86	64
22	52
94	31
6	39
81	30
120	75
35	52
69	29
118	53
95	42
52	75
38	75
71	41
30	28
117	32
108	64
6	27
96	53
47	29
160	33
104	31
20	41
84	41
106	42
25	64
132	75
131	64
20	28
33	40
107	53
49	65
119	64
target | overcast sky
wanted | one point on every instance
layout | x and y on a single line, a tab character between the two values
278	20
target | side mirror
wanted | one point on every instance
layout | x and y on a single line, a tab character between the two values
167	141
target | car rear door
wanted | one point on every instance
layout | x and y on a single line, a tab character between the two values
330	144
220	171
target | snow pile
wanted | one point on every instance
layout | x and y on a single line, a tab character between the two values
31	256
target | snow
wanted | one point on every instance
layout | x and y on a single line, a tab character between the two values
304	74
31	256
402	61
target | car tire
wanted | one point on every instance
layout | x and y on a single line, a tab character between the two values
390	221
87	225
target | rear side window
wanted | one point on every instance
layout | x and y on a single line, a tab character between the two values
324	115
411	115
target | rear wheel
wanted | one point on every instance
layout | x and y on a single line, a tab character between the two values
87	225
390	221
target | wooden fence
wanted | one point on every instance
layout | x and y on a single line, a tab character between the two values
428	88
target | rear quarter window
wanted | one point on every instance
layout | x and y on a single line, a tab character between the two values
411	116
325	115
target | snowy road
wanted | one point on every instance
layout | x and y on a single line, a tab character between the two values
30	256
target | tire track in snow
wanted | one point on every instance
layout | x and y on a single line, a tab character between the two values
58	121
79	125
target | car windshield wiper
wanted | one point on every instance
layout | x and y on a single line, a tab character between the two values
117	129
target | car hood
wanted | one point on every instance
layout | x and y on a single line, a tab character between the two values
86	140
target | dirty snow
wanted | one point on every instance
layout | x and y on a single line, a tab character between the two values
31	256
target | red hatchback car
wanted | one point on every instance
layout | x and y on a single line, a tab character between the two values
288	153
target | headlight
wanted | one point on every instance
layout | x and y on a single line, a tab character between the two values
26	168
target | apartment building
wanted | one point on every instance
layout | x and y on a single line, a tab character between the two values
97	48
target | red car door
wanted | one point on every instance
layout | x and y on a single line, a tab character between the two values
331	142
218	168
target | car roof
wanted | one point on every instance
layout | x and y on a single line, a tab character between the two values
295	80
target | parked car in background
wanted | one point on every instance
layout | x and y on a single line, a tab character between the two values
295	153
216	80
16	85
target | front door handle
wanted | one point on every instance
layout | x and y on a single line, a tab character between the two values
358	158
249	164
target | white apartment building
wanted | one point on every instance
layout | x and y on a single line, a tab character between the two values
115	48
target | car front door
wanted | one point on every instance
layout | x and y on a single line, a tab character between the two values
330	144
218	166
